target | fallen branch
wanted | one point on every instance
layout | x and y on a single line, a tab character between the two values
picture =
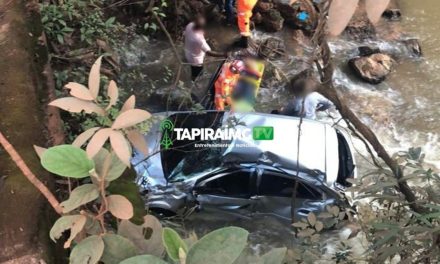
327	89
29	175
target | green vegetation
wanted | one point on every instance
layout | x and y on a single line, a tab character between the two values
104	214
77	19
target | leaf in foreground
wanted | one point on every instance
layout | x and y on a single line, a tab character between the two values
112	93
129	104
95	78
67	161
275	256
138	141
222	246
121	146
173	242
80	195
87	251
144	259
97	142
79	91
151	245
117	248
75	105
120	207
73	222
109	165
84	136
130	118
39	150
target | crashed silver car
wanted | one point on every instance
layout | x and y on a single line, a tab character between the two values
250	171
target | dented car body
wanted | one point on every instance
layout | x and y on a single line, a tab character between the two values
246	175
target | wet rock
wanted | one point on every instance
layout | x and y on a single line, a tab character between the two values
392	14
373	68
367	51
413	45
263	6
272	21
189	8
361	29
266	16
257	18
271	48
300	15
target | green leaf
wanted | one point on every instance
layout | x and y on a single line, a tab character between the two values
110	21
275	256
113	168
173	242
67	161
147	237
80	195
144	259
60	38
222	246
87	251
117	248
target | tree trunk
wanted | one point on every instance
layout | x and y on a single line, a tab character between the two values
25	216
328	90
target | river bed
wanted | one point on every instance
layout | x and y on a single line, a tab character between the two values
404	111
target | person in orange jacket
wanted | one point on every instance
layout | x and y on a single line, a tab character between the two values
226	82
244	14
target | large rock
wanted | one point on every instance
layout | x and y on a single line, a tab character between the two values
413	46
373	68
272	21
300	15
266	16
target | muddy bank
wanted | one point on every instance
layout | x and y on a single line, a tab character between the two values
25	217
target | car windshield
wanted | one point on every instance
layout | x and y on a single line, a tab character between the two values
187	158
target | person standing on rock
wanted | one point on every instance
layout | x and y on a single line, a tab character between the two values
244	14
196	47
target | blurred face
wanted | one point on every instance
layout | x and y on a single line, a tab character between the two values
200	23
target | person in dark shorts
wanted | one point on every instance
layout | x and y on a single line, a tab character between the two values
196	47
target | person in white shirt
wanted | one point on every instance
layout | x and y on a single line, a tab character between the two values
196	47
313	102
303	90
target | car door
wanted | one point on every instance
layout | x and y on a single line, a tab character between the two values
274	195
230	191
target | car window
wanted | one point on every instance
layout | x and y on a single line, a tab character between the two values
274	185
235	185
184	160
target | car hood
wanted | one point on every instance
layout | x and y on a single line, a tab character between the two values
317	147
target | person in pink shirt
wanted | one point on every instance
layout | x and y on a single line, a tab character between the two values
196	47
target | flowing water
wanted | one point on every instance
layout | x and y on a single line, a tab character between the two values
404	111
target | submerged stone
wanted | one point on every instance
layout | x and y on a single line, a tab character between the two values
373	68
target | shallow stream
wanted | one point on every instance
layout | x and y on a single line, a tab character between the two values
404	111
